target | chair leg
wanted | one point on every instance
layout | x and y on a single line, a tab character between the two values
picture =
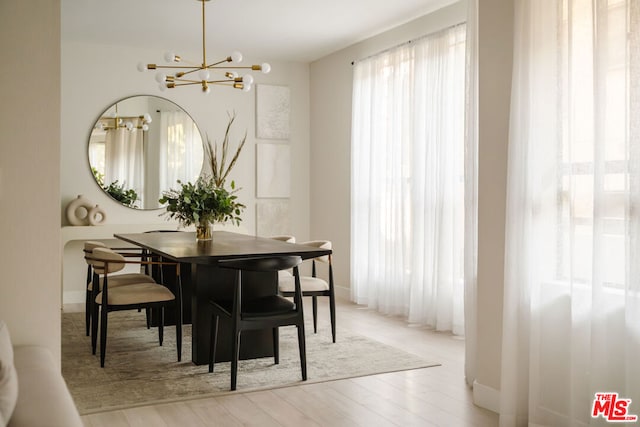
314	299
87	303
161	326
87	312
303	351
148	314
234	360
276	346
213	341
103	335
179	330
332	310
94	327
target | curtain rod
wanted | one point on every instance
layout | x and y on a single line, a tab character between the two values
408	42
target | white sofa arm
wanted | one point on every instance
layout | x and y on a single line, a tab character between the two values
43	396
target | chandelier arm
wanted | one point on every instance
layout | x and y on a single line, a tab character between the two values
193	67
214	64
220	81
249	67
187	83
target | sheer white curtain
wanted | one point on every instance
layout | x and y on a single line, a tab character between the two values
181	151
571	323
407	180
124	158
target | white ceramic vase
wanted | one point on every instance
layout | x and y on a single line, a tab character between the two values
78	211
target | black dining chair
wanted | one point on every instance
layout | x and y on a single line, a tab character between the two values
140	295
314	286
122	279
263	312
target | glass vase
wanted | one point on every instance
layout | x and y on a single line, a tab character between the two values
204	231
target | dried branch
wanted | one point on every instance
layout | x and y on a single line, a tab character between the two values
219	170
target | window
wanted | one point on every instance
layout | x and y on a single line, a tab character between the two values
408	180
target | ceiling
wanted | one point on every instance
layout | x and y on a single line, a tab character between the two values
284	30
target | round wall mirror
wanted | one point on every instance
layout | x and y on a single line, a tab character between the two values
141	146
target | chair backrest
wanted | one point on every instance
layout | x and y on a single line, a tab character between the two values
100	257
284	238
320	244
89	246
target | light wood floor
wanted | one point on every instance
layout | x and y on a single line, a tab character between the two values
434	396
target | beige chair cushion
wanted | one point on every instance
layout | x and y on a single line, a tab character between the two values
307	283
140	293
8	376
283	274
123	280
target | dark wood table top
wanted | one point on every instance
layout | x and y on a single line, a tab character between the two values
183	247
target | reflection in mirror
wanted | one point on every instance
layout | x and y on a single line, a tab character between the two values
140	146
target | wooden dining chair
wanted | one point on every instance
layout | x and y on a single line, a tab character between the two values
265	312
122	279
314	286
140	295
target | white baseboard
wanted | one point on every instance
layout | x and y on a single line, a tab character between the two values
73	297
486	397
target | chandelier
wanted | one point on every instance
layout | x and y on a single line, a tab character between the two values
113	120
200	74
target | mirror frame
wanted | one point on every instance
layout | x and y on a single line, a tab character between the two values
101	116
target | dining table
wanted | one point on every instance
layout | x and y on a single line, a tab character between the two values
203	280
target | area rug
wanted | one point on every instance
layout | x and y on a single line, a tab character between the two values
138	372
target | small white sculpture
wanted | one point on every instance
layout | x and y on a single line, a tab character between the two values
79	212
97	215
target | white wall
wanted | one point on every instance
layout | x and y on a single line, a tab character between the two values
95	76
30	297
495	37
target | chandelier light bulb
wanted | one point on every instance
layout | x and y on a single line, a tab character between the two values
142	67
161	77
162	87
128	125
147	118
145	127
236	56
266	67
169	56
246	87
204	74
247	79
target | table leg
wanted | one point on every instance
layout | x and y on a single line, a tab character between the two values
210	282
